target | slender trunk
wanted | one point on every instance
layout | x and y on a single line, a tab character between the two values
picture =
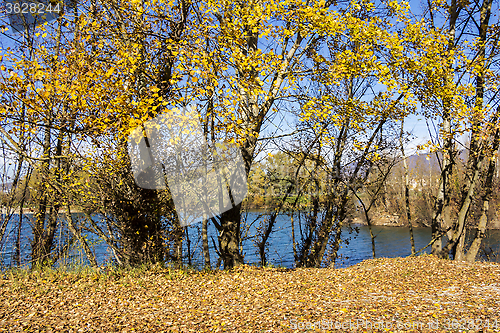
476	143
188	243
5	218
406	183
294	244
339	220
442	201
42	238
178	233
45	226
337	231
254	111
206	249
441	216
17	249
40	214
305	251
208	121
372	237
317	254
369	222
459	249
55	202
230	221
78	235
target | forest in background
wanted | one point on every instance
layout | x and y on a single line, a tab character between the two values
321	86
268	183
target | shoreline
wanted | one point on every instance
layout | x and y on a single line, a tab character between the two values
4	210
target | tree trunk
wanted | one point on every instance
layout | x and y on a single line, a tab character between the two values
459	226
230	237
442	201
316	255
480	233
178	232
488	190
369	222
406	183
37	248
441	216
78	235
253	110
459	250
472	161
17	249
294	243
206	249
10	209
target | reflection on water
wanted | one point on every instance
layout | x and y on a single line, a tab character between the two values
356	245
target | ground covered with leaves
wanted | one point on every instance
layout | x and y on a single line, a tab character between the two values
398	295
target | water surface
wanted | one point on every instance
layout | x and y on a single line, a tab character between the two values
356	243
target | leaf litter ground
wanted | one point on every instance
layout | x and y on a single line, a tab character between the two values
420	294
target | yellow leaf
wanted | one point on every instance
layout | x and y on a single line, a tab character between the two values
110	72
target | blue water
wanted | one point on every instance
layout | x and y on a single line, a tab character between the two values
356	243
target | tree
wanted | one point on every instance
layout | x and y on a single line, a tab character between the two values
138	46
461	107
39	93
256	47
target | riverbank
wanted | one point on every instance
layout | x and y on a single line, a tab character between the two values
4	210
424	293
394	220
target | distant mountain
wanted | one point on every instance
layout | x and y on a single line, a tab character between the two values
6	187
427	160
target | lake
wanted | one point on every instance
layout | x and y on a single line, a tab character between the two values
356	245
